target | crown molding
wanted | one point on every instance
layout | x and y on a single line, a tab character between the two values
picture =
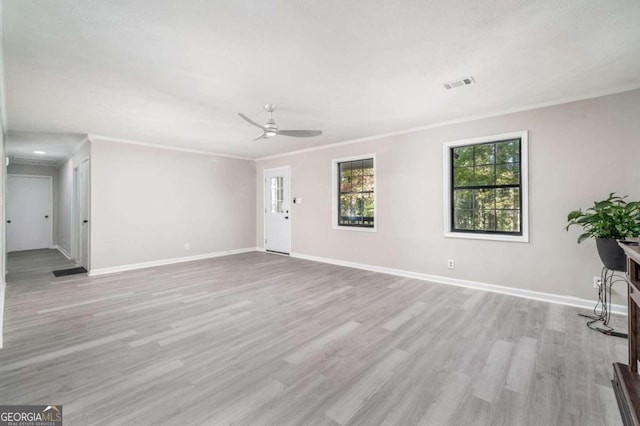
75	150
28	161
92	138
458	121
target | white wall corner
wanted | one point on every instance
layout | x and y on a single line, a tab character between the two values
3	109
62	250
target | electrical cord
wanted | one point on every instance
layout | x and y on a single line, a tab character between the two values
602	310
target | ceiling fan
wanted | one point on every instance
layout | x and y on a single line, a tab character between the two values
270	129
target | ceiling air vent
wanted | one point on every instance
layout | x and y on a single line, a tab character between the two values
466	81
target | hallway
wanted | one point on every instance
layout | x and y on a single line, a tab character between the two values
31	270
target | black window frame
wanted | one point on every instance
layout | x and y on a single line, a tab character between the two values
365	224
452	189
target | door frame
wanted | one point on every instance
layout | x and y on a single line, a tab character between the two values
76	221
51	215
264	206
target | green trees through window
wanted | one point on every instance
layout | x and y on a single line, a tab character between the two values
356	193
486	188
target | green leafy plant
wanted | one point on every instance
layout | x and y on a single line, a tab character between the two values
610	218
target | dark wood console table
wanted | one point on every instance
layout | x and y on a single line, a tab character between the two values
626	380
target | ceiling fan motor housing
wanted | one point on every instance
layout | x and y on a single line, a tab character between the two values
270	129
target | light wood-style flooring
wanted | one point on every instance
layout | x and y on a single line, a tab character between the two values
260	339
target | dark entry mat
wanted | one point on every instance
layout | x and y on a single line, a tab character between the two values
70	271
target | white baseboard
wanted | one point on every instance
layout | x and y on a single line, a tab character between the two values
64	252
511	291
131	267
527	294
2	290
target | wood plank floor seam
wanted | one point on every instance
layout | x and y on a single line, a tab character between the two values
259	339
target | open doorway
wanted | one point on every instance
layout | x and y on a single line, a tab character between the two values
32	221
40	205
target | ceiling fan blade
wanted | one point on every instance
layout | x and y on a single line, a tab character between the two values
250	120
259	137
300	133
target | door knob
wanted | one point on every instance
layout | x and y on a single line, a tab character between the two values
286	217
85	221
46	216
8	221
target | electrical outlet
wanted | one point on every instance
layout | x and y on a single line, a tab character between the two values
451	264
597	282
187	246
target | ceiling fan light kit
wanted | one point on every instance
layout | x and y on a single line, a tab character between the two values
270	129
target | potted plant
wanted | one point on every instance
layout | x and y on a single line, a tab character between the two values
608	221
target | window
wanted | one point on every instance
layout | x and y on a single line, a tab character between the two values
354	193
486	190
277	194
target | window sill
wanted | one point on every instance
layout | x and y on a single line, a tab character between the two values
354	228
489	237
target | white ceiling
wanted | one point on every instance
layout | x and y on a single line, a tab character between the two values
178	72
56	146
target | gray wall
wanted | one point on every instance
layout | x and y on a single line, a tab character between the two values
23	169
65	194
146	203
578	152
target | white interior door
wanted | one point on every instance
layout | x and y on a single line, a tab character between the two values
29	219
81	197
277	222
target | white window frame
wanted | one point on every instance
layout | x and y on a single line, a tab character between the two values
334	194
523	135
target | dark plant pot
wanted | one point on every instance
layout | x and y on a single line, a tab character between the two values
611	254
